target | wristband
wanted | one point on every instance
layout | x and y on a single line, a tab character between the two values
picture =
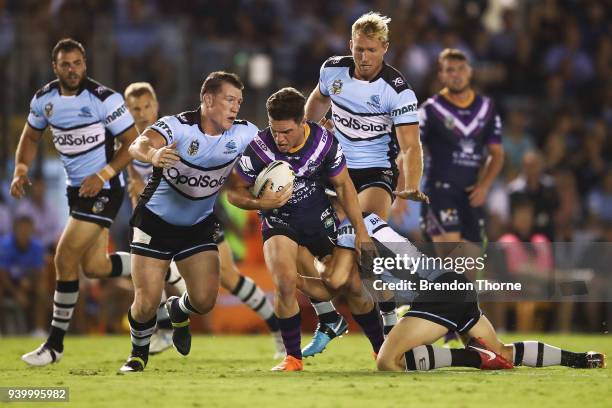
106	173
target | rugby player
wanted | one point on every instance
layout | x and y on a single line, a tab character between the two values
305	217
432	313
461	131
86	119
142	102
192	154
374	113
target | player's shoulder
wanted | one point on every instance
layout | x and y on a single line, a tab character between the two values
98	90
394	78
339	61
47	89
242	125
188	118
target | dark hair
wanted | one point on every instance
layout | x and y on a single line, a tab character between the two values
287	103
67	45
214	80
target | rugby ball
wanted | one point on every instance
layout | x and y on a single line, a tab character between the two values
278	172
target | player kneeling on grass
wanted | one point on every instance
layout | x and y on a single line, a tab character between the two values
296	217
433	313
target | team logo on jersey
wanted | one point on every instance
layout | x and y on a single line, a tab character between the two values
100	90
398	81
85	112
467	145
336	87
230	147
449	122
99	204
374	101
193	147
49	109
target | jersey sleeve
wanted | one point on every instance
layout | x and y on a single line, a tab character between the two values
323	80
248	135
166	127
334	160
250	165
403	108
494	135
346	236
36	118
117	117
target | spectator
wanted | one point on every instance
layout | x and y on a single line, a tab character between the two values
21	277
539	189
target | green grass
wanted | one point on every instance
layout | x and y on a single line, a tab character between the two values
234	371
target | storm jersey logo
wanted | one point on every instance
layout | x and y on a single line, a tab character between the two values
197	183
78	141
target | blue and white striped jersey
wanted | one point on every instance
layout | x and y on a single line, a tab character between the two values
185	193
365	113
84	127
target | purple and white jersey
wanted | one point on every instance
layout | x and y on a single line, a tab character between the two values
456	138
318	159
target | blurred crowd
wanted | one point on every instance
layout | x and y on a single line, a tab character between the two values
547	64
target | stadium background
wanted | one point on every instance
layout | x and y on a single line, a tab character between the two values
546	64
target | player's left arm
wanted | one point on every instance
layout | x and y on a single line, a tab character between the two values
492	166
411	160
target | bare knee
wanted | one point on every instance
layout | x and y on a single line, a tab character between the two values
286	285
203	302
66	264
332	281
144	307
386	363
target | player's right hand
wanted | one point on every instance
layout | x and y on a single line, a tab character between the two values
18	185
165	156
271	199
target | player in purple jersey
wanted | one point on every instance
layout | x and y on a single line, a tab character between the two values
298	216
461	131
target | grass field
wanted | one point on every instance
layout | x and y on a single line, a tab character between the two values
234	372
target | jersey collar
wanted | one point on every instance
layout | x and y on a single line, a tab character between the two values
376	78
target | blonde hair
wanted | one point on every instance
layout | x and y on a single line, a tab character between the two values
452	54
372	25
137	89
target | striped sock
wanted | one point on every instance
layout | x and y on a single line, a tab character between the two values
255	298
370	324
538	354
326	312
121	263
140	334
423	358
389	317
64	300
292	335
